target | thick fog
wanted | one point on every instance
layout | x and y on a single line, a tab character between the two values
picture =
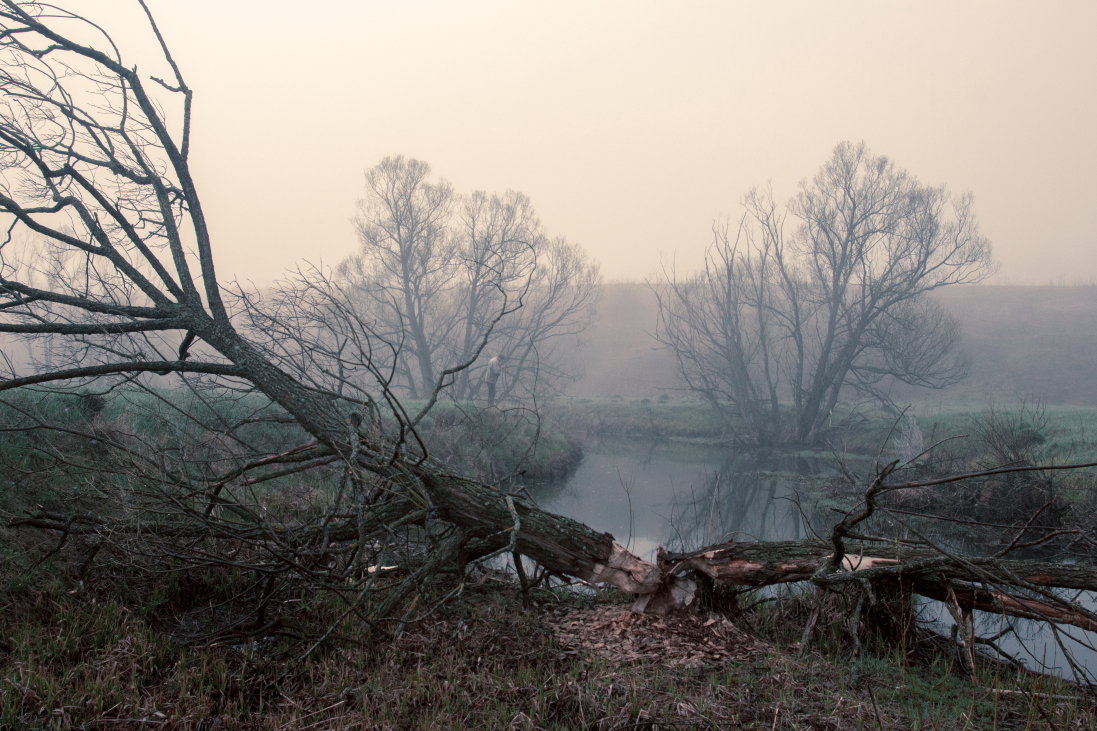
632	126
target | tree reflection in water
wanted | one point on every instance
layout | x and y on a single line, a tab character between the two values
753	496
684	496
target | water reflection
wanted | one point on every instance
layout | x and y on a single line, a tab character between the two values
1058	649
686	496
752	496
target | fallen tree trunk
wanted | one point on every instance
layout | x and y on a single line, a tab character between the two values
1010	587
560	544
566	546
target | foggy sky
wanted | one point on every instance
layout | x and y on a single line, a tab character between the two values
633	125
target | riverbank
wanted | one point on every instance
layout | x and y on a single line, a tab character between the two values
70	658
112	646
1056	433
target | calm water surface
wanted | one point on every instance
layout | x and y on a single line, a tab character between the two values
685	496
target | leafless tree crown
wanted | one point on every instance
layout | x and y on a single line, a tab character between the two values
825	297
449	278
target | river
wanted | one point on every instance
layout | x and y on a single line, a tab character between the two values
684	496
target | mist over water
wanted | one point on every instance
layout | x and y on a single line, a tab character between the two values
1034	343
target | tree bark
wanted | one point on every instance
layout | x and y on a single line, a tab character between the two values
1009	587
483	512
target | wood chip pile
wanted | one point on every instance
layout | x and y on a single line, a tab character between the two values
684	640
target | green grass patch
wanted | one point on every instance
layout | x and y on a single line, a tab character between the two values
640	418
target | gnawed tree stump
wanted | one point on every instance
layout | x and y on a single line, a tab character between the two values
1009	587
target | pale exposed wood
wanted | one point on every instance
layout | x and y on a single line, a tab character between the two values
988	584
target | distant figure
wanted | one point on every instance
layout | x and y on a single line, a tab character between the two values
495	369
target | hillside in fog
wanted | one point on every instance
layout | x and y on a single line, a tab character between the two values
1023	342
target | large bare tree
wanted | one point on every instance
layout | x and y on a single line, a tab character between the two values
450	278
406	264
828	296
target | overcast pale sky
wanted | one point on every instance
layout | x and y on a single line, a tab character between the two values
633	125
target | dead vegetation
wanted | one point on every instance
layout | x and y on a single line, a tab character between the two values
482	661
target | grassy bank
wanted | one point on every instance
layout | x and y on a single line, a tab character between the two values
500	444
648	418
1050	434
492	444
1055	433
71	659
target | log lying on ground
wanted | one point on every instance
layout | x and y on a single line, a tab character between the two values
566	546
1010	587
560	544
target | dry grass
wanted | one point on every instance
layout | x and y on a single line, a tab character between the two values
69	660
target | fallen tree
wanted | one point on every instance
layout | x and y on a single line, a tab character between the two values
109	261
1011	587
